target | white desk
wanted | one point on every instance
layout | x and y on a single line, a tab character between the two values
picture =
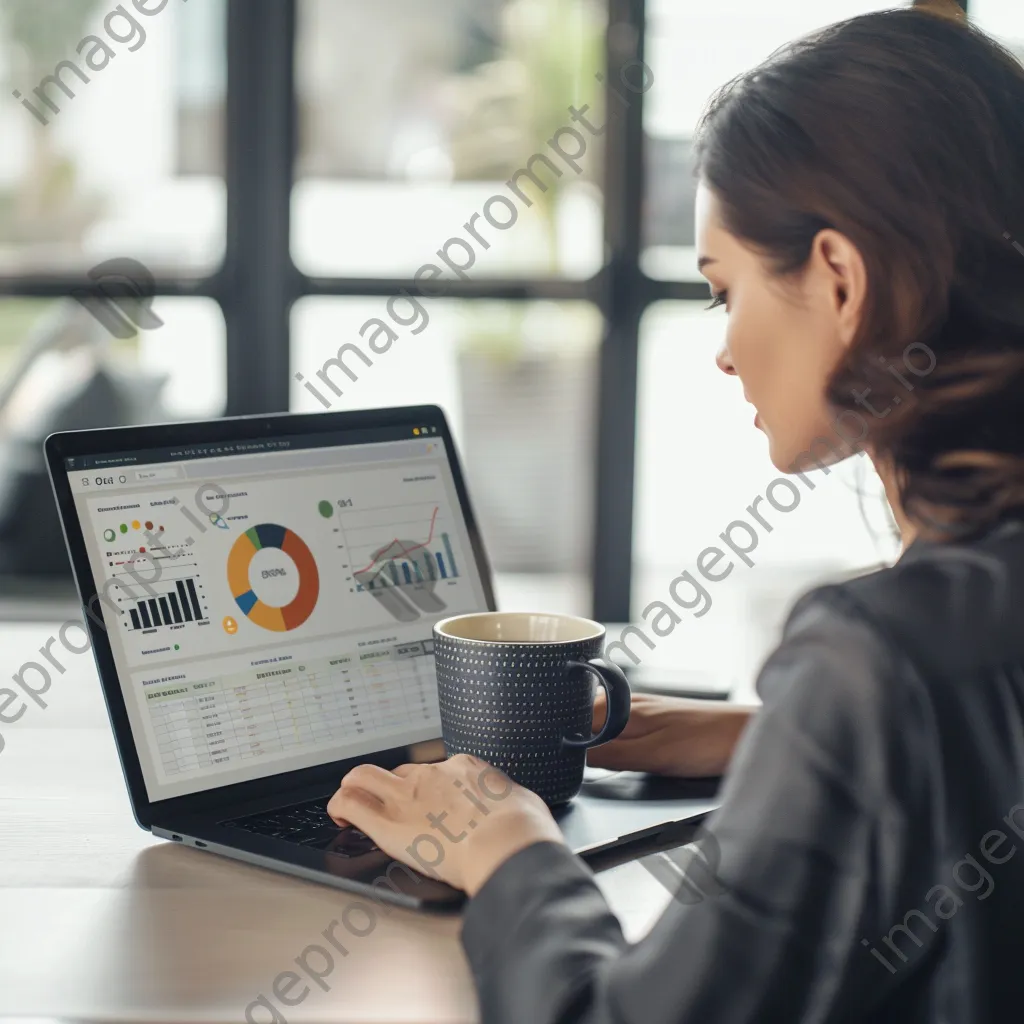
101	922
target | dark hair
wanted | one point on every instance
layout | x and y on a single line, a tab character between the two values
904	130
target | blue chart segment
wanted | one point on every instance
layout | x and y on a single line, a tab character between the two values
452	570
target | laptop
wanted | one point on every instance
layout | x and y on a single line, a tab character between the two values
260	593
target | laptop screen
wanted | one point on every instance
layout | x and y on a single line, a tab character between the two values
269	603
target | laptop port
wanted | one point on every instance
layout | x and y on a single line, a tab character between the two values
198	843
177	839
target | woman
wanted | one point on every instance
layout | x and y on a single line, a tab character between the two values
859	202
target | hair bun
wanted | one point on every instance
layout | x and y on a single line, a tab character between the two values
943	8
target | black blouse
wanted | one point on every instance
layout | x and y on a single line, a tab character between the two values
869	851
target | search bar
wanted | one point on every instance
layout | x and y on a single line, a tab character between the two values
310	458
148	476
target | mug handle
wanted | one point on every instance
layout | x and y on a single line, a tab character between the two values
616	687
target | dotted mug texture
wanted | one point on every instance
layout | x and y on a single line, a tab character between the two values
512	703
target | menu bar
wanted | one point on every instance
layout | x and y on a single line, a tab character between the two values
220	449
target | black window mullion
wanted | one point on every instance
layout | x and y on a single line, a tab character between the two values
39	286
677	291
559	289
260	280
624	298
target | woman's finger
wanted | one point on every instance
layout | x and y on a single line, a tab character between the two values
357	807
373	779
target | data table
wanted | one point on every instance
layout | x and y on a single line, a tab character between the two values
282	709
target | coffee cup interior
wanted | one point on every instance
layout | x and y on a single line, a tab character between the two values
519	628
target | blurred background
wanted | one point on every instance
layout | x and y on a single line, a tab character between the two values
282	167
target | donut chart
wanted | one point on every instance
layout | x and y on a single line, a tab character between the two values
277	618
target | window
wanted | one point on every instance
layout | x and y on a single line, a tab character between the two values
1003	19
112	165
694	49
115	146
413	115
175	371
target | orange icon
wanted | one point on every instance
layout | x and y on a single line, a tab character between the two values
230	626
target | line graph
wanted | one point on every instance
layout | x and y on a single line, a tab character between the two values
405	560
402	549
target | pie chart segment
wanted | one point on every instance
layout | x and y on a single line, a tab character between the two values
242	552
269	535
300	609
268	616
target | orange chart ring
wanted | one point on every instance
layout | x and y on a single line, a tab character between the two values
289	616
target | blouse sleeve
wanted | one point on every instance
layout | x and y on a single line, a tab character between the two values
811	855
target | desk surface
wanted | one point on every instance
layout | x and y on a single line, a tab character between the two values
102	922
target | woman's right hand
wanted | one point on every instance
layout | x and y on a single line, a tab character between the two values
677	736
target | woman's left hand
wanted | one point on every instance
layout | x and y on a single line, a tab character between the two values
458	821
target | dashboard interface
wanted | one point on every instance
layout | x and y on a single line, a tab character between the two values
269	603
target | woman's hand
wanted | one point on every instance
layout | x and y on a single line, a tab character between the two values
458	821
680	736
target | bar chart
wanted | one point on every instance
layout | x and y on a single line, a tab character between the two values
419	566
405	562
177	605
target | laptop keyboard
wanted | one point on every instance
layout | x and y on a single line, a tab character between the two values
309	825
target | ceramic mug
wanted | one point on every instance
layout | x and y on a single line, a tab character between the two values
516	689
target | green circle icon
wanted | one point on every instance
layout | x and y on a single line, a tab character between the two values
326	509
109	535
124	527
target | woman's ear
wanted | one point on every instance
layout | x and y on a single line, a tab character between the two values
841	265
